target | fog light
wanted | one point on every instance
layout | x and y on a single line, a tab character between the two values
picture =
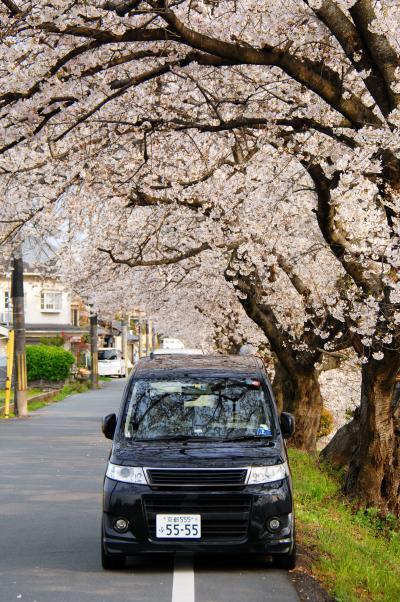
274	524
121	525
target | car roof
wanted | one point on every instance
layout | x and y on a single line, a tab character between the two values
175	366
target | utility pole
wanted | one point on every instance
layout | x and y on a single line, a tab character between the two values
147	336
140	338
124	332
154	337
94	372
21	381
9	376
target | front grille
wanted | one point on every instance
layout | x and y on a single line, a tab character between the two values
200	477
222	517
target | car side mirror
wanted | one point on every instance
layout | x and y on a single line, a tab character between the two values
287	423
108	426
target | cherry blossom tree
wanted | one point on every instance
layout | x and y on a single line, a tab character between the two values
159	107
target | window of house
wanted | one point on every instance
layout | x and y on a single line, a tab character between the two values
6	314
74	316
50	301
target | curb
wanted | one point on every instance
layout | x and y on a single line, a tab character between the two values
46	396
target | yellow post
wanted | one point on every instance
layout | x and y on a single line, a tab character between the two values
10	363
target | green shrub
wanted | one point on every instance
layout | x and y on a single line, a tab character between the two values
47	362
326	423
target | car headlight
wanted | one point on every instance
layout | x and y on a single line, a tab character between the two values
126	474
267	474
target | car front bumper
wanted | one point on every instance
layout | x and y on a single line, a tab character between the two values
232	521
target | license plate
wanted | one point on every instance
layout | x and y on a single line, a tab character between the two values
178	526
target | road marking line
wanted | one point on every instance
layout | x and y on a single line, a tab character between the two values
183	582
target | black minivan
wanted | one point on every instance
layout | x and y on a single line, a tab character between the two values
198	462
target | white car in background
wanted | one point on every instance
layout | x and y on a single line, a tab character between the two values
170	343
176	351
111	362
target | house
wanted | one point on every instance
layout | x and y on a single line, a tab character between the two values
110	335
51	311
142	336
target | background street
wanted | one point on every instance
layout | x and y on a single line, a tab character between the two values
51	472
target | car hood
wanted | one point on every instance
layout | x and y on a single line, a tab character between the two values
197	455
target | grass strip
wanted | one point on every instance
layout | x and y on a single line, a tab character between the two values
355	552
66	391
71	389
30	393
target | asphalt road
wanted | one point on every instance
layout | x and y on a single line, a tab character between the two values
51	471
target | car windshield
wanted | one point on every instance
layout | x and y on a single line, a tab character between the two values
107	354
198	409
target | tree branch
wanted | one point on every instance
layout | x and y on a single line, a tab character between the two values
358	54
12	7
333	237
296	281
125	86
139	263
141	199
319	78
264	316
385	58
121	7
152	34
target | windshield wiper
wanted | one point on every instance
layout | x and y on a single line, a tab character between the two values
249	438
179	438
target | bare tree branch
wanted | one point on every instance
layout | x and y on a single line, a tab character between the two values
179	257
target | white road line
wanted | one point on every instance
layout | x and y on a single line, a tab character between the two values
183	582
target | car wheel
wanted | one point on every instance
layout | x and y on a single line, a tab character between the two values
111	562
286	562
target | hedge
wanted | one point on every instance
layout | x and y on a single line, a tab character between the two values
47	362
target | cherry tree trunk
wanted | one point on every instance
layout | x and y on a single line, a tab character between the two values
374	471
307	407
343	444
282	387
299	393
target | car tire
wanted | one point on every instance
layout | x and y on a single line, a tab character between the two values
287	562
111	562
